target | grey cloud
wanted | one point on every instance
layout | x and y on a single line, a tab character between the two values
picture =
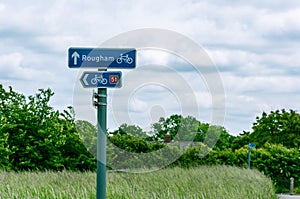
254	45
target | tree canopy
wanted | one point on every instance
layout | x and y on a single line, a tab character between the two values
132	130
277	127
35	136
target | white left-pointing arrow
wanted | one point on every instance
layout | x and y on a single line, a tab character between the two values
85	82
75	56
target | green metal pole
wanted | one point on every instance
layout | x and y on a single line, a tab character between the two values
249	153
101	143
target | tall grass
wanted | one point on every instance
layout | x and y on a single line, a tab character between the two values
66	184
202	182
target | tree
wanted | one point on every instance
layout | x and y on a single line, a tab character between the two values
180	128
131	130
164	126
35	136
88	134
218	138
190	129
201	132
278	127
241	140
127	151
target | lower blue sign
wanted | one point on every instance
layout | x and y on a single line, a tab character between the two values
105	79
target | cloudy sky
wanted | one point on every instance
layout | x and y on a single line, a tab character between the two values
254	47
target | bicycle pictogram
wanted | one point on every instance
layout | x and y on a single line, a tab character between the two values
125	59
99	79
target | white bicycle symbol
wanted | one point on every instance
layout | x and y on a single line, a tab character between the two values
124	58
99	79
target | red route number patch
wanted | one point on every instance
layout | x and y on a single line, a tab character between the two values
113	79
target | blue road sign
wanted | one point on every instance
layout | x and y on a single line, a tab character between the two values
252	145
124	58
101	79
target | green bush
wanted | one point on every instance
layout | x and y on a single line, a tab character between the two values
275	161
129	152
278	162
35	136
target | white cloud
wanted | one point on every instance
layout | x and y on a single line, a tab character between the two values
255	46
266	84
137	105
9	62
13	67
157	56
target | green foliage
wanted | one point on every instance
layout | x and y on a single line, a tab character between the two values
276	161
190	129
132	130
88	134
277	127
130	143
227	157
127	151
218	138
34	136
241	140
180	128
170	125
193	156
279	163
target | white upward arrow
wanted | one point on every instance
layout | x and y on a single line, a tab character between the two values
75	55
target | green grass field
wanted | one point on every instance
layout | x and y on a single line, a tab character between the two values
202	182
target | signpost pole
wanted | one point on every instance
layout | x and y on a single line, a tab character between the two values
249	154
250	146
101	143
101	58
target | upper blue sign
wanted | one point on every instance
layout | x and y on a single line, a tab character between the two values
102	58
